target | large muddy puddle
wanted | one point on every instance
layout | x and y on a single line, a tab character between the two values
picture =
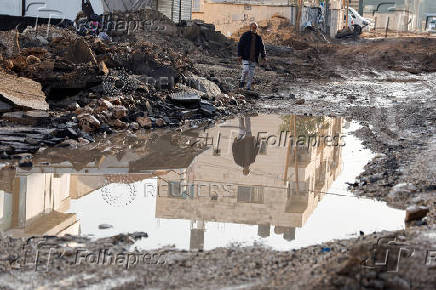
276	181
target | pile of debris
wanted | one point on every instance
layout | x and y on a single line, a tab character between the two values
143	78
278	31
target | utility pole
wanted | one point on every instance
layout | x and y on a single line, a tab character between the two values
346	12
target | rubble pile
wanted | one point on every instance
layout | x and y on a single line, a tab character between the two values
141	78
278	31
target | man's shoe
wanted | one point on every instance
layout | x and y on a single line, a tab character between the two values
241	85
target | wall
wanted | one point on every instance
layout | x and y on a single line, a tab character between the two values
229	18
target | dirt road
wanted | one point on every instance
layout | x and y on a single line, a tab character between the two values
393	99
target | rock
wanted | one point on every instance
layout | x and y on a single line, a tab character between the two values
88	123
31	60
119	124
104	227
21	93
134	126
119	111
185	98
401	189
144	122
105	105
251	94
33	118
70	143
25	160
103	68
139	235
160	123
80	52
149	107
300	102
414	213
207	108
83	141
211	89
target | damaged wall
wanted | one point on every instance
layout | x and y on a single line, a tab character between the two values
230	17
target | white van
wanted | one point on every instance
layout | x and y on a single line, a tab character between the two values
356	21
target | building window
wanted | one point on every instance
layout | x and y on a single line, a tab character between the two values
196	6
250	194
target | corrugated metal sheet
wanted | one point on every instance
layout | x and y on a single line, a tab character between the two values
170	8
166	8
186	10
126	5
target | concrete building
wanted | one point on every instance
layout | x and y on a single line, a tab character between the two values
403	15
230	16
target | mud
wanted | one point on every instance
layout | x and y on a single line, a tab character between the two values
387	86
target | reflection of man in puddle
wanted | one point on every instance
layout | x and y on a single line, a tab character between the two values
245	147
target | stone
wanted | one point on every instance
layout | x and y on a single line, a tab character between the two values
144	122
149	107
401	189
139	235
104	227
88	123
416	213
207	108
134	126
31	60
70	143
80	52
201	84
185	98
119	124
32	118
105	104
103	68
119	112
160	123
83	141
21	93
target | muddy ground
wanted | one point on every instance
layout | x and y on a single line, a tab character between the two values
394	100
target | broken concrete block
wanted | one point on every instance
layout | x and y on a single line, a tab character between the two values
185	98
204	85
415	213
144	122
80	52
103	68
88	123
31	60
119	111
21	93
32	118
119	124
160	122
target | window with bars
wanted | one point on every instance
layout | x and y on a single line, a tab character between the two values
250	194
196	6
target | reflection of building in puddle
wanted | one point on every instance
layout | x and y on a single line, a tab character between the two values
35	201
36	204
283	187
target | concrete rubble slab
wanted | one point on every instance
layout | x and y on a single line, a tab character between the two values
21	93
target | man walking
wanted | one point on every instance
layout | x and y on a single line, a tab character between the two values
249	47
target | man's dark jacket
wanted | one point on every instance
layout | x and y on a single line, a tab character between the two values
244	46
